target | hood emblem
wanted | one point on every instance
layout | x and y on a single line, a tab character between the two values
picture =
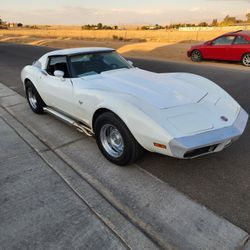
224	118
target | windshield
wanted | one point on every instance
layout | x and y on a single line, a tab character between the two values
96	63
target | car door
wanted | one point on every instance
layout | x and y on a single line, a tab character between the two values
85	76
239	47
219	49
57	91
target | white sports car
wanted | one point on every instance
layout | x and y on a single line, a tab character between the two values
129	109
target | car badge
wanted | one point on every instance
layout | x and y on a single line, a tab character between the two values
224	118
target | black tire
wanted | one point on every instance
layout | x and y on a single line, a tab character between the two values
246	60
131	152
35	101
196	56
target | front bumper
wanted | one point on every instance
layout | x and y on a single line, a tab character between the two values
209	142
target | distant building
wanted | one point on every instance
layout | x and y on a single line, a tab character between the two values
14	25
11	25
3	25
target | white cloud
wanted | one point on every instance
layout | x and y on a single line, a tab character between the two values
194	9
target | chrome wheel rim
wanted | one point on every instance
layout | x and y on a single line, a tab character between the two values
246	60
32	98
112	140
196	55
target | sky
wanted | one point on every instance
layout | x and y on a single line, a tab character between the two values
79	12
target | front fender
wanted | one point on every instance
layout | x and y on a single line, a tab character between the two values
143	120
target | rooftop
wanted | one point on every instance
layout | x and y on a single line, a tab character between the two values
77	51
241	32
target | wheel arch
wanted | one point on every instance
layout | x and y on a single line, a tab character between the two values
99	112
126	122
26	80
139	124
197	49
245	53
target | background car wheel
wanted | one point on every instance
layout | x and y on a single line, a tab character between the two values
246	60
115	141
35	101
196	56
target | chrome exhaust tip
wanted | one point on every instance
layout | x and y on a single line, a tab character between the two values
80	127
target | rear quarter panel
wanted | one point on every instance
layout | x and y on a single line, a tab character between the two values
238	50
30	73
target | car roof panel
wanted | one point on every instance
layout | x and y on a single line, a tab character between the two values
74	51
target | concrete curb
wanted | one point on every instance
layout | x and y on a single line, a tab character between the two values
168	217
38	209
129	235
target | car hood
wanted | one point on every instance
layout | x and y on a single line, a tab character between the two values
161	90
197	46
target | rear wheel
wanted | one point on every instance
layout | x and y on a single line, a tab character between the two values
35	101
115	141
196	56
246	60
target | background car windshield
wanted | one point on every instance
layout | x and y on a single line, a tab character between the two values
96	63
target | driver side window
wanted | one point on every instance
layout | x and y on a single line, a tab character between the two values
224	40
58	63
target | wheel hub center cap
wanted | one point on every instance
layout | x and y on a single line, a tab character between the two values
115	137
112	140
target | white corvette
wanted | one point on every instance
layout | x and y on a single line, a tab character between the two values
129	109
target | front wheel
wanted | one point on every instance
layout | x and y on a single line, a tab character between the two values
35	101
115	141
246	60
196	56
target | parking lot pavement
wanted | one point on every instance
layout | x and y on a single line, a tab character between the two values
39	209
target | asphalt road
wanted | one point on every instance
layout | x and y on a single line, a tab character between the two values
219	181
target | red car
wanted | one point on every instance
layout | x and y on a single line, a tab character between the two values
233	46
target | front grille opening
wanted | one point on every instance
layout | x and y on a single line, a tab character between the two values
200	151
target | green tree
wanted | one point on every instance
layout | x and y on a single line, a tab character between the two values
229	20
203	24
214	22
99	26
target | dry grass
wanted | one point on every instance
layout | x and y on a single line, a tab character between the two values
133	35
166	45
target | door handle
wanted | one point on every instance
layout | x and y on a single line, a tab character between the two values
44	72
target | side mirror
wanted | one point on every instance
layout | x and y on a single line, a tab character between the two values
208	43
59	73
130	63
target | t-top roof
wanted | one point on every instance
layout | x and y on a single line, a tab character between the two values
64	52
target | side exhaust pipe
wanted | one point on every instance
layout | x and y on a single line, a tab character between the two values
80	127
